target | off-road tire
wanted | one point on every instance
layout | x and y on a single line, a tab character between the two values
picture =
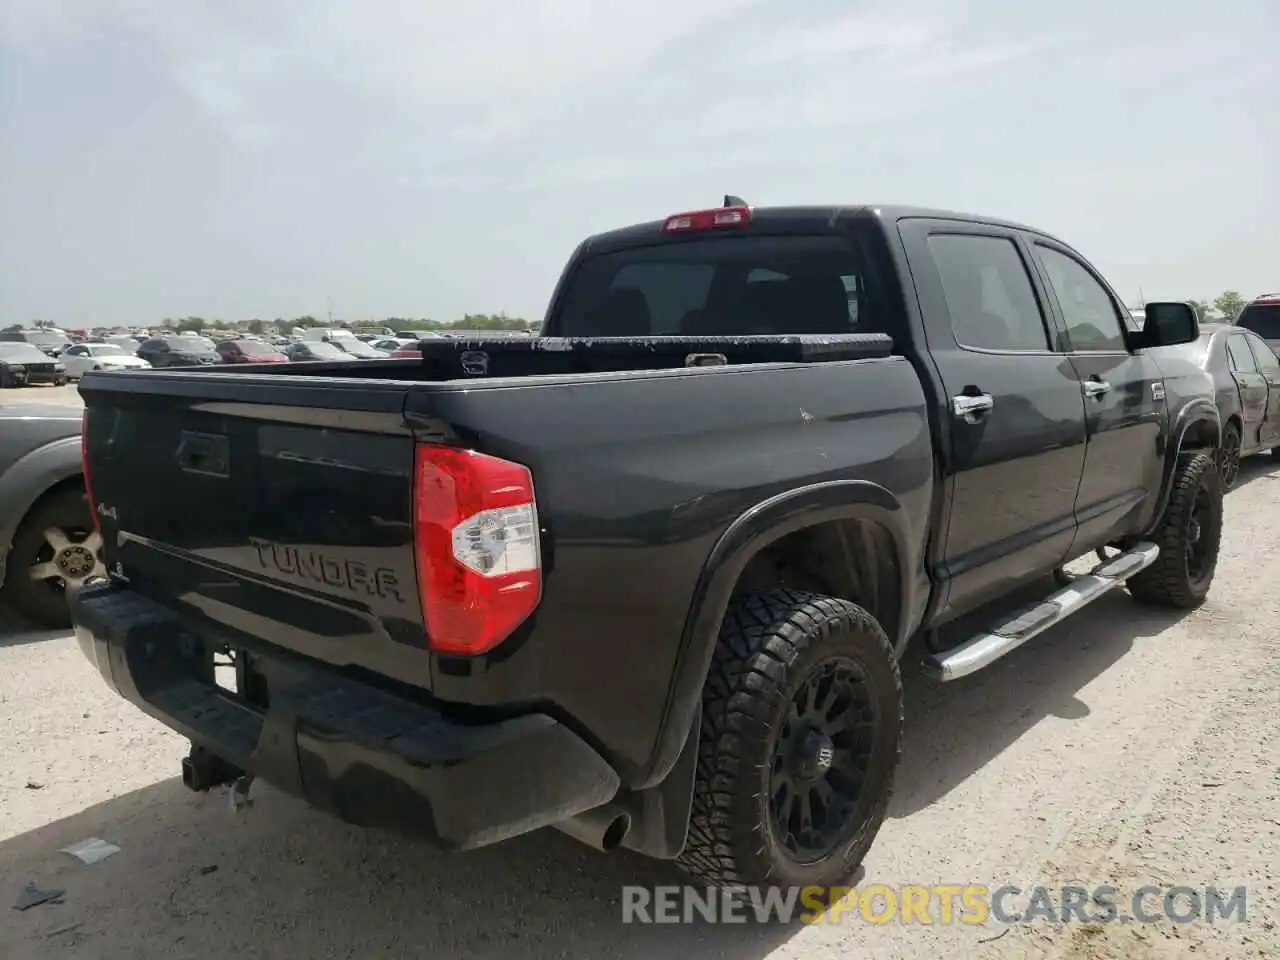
771	643
1167	582
36	599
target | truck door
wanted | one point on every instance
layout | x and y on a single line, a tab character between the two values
1013	431
1123	392
1253	391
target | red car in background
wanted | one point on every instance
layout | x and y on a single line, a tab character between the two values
249	351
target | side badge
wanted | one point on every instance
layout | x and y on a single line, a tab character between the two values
1157	392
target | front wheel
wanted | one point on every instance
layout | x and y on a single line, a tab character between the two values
1189	534
801	732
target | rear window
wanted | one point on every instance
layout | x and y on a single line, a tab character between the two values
729	286
1262	318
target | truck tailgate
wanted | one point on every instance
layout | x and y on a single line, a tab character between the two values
281	510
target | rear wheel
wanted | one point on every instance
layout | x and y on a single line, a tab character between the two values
801	732
1229	456
55	550
1188	535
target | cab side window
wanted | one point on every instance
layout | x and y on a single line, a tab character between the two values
989	295
1089	313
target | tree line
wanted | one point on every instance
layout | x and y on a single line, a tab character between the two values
1226	305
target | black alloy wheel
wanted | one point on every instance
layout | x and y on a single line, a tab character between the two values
820	761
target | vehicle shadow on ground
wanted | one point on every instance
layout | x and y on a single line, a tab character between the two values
955	729
1261	467
15	630
194	880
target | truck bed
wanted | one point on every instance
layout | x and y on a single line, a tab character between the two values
274	503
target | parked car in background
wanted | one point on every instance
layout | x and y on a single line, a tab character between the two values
124	342
47	540
81	357
179	351
249	351
390	344
1246	373
309	350
360	349
1262	317
22	364
418	335
323	333
50	342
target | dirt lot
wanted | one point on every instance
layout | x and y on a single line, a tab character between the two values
69	395
1127	747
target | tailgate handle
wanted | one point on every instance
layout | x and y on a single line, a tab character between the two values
204	453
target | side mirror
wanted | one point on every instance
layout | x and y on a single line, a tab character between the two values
1169	323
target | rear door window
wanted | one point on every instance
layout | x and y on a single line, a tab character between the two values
1239	355
988	292
727	286
1268	363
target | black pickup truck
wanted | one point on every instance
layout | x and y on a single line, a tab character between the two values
648	577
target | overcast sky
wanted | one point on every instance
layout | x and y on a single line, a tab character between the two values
233	159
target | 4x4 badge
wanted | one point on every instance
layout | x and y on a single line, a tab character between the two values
1157	391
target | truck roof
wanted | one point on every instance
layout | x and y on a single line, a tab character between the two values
798	218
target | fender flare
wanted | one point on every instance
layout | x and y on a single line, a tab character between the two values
754	530
1191	413
28	480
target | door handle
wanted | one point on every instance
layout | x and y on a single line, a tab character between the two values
972	407
1096	388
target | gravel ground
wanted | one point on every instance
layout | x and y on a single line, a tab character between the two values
69	395
1126	747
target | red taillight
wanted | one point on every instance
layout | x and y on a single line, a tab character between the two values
714	219
84	470
406	353
476	542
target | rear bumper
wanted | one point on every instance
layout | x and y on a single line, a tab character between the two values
369	757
